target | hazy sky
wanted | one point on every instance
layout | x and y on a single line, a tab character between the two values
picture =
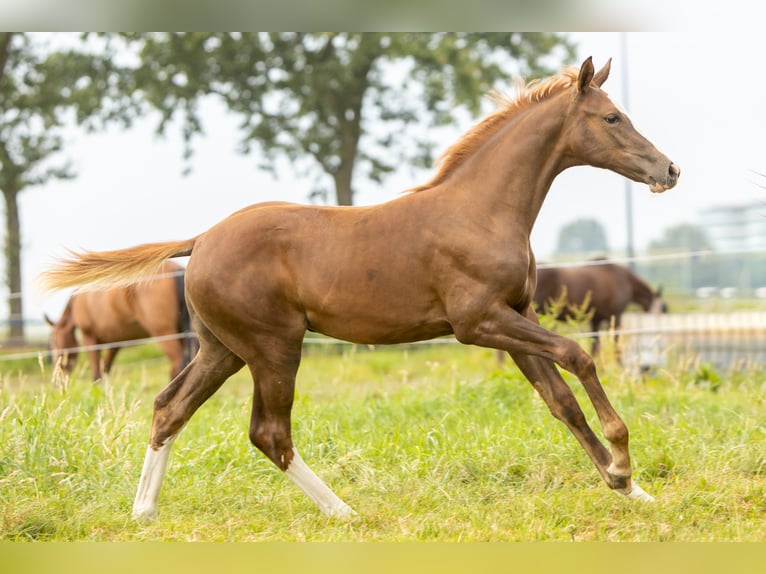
699	96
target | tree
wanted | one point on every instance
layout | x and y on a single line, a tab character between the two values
582	236
43	89
688	272
325	101
683	237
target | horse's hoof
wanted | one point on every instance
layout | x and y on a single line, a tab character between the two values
342	511
144	514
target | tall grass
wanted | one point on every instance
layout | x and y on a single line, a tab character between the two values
431	443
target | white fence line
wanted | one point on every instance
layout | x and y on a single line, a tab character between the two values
634	324
748	324
99	347
624	260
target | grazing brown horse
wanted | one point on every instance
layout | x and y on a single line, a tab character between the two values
609	289
452	256
154	308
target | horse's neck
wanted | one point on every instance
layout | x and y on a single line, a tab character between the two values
515	168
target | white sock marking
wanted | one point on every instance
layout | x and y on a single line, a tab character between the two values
637	493
315	489
148	493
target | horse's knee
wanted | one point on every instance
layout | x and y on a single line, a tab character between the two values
465	333
616	432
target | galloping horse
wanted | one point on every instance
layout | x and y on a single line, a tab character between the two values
608	288
451	257
154	308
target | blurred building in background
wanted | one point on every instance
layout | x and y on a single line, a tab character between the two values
736	228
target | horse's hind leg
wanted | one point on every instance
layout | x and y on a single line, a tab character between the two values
173	407
109	356
274	386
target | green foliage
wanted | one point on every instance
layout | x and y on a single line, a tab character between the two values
427	443
584	235
574	315
43	87
706	376
315	98
47	82
683	237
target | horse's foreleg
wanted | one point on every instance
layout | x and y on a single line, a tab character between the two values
616	341
563	405
94	355
521	335
595	340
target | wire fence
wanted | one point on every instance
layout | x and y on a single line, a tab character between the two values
716	332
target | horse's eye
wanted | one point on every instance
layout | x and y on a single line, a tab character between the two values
612	119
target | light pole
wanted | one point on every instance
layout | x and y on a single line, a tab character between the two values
629	247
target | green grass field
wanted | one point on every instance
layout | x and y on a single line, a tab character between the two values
433	443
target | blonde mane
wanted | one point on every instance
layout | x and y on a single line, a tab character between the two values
525	96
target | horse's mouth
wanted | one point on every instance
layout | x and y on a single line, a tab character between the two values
670	180
656	187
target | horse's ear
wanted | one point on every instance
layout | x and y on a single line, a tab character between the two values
600	77
586	75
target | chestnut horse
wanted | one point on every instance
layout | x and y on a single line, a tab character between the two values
608	288
452	256
154	308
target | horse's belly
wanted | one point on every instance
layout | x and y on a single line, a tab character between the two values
128	331
373	329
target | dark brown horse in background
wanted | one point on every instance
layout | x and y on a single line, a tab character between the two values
608	289
451	257
153	308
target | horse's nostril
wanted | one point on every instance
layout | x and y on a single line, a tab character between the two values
674	171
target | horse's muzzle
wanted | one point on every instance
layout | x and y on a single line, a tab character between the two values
670	180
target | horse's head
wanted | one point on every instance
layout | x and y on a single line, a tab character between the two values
601	134
657	304
63	343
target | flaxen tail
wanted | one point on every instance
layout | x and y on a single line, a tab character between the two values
104	269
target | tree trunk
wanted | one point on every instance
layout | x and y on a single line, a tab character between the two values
350	132
13	260
343	192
